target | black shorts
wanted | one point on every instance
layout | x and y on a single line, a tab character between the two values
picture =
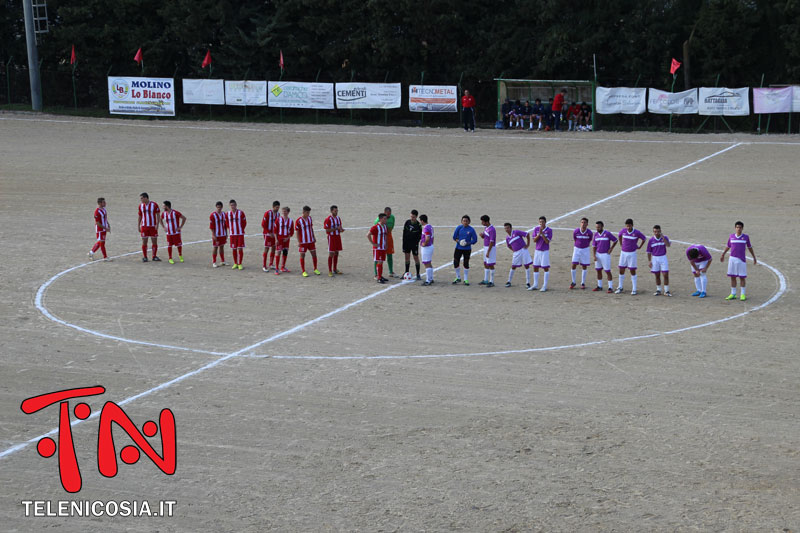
411	248
458	255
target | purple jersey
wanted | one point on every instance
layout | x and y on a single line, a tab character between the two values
602	241
489	236
582	239
629	241
658	247
704	255
738	244
427	231
540	244
516	241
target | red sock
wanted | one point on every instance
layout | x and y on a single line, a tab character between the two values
380	270
302	263
155	250
336	262
236	256
180	251
283	261
144	250
213	257
96	246
103	249
271	256
169	251
222	255
330	263
314	258
264	261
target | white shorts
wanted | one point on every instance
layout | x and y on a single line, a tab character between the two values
627	260
427	253
660	263
701	265
491	257
541	258
521	257
602	262
581	256
737	268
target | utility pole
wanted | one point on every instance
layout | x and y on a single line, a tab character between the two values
33	57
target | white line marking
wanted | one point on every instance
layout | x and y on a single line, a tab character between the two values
216	362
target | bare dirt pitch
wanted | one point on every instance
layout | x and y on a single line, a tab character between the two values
304	404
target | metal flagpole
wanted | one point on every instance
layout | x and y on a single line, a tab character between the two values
33	57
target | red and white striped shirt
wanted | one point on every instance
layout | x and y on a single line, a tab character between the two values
172	221
217	224
236	222
305	230
149	213
100	219
284	227
333	223
268	222
378	232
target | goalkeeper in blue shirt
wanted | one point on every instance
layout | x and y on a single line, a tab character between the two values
464	237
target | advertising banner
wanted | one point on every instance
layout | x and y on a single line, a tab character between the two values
795	98
141	96
300	95
724	101
771	100
204	92
662	102
626	100
246	92
433	98
368	95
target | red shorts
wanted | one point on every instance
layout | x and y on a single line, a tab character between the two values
283	242
307	247
334	243
174	240
237	241
149	231
101	236
220	241
378	255
269	240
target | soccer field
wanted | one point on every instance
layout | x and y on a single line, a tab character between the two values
337	404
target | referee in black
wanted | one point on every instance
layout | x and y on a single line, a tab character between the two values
412	233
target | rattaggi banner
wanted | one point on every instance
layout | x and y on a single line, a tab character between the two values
662	102
433	98
724	101
245	92
141	96
368	95
772	100
625	100
204	92
297	94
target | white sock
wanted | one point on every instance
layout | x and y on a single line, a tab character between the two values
741	290
429	274
633	281
486	274
666	288
703	282
491	276
535	279
583	277
697	284
600	283
733	291
510	275
546	277
621	280
528	276
466	274
458	272
611	284
573	275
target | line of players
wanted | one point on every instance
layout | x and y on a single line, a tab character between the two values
278	228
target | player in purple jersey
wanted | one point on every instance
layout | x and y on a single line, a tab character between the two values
582	237
426	249
518	242
542	235
737	263
629	244
489	236
700	259
657	259
603	244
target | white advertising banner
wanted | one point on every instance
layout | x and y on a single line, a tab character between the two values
433	98
626	100
300	95
724	101
662	102
204	92
795	98
772	100
141	96
368	95
246	92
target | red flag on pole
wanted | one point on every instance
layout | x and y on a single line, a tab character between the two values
138	57
281	60
72	57
206	60
674	66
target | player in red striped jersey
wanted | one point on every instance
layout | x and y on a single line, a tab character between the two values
219	234
334	229
284	229
304	228
237	223
101	227
148	225
268	227
377	236
173	221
